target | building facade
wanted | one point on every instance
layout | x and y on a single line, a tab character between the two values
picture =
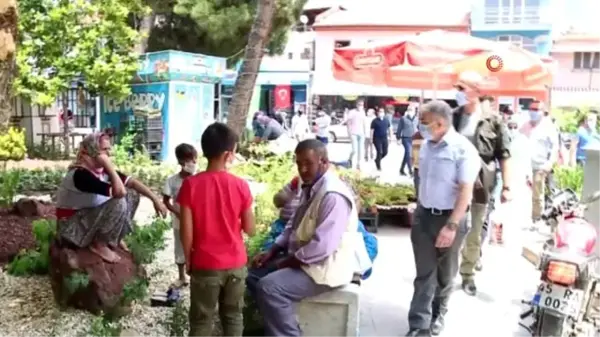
577	78
526	23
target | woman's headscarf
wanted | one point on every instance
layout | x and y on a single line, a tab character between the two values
89	149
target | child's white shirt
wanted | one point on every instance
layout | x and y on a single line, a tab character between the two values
171	189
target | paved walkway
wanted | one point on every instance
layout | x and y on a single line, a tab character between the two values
506	279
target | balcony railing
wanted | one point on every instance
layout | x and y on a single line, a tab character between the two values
511	15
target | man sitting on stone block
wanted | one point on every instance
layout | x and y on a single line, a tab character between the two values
317	251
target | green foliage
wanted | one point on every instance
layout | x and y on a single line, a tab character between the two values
177	323
102	326
66	39
221	28
9	186
37	180
568	119
36	261
12	145
569	177
134	290
280	171
44	151
76	281
145	241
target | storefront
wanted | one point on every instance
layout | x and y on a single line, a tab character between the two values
280	86
172	101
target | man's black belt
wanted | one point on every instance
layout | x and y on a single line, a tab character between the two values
440	212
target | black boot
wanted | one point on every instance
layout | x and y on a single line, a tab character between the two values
437	325
469	287
418	333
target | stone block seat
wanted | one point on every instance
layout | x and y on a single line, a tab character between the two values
334	313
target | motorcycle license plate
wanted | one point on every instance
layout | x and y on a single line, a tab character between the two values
564	300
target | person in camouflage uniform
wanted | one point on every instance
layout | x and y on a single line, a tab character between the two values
485	128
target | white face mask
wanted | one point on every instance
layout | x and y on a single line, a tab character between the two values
381	115
591	123
190	167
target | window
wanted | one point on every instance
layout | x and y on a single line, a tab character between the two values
512	11
586	60
342	43
290	56
519	41
82	104
305	54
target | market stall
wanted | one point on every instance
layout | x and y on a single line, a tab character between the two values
434	60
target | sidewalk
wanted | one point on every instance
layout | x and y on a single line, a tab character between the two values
506	279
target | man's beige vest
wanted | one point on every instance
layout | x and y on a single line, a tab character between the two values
337	269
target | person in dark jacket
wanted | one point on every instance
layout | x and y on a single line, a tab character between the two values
406	130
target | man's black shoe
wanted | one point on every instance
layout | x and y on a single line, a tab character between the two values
437	325
418	333
469	287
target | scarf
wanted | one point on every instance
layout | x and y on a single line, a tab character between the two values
88	150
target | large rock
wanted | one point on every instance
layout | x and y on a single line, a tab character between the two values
106	280
29	207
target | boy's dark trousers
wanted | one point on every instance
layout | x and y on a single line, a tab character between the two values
212	290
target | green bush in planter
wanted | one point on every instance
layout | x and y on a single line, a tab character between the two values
12	144
569	177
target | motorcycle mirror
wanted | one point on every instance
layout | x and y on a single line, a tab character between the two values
592	198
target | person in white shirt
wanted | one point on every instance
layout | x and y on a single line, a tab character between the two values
321	126
542	138
369	148
355	121
300	127
186	157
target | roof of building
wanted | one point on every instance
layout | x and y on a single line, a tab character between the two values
384	13
579	36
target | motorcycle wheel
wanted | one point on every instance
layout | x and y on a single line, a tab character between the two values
551	325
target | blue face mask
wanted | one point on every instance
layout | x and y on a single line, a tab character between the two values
425	131
535	115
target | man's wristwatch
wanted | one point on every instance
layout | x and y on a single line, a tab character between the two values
452	225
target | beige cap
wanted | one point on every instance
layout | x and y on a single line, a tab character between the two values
469	79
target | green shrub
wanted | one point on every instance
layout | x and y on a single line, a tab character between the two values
569	177
12	144
134	290
9	186
145	241
77	281
35	261
177	323
104	327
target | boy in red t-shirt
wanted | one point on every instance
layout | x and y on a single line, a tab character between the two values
215	207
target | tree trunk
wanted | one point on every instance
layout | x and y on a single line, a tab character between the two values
145	29
246	79
8	40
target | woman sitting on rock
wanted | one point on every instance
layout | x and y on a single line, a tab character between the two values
96	203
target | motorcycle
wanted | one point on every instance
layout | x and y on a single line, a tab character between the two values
567	301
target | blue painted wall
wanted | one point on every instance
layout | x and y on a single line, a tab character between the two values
542	39
549	12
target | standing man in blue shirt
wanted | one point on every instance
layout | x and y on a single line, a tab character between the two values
448	167
586	133
380	133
